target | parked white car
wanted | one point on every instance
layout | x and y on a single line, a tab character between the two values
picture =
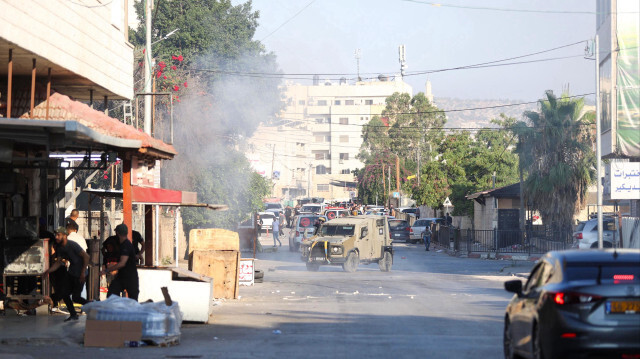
586	234
267	219
419	226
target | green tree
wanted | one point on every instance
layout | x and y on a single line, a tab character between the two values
406	125
231	182
215	108
555	146
465	165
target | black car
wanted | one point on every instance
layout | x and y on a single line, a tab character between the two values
576	304
399	230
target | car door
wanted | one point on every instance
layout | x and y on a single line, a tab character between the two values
520	321
533	292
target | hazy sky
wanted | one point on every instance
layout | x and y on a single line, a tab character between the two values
323	37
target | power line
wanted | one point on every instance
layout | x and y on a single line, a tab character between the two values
303	75
89	6
286	22
502	9
436	111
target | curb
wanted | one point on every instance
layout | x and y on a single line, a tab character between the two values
491	255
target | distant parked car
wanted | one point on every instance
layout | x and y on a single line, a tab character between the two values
313	208
586	234
419	226
336	213
302	228
576	303
399	230
267	219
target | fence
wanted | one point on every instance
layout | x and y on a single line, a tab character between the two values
502	241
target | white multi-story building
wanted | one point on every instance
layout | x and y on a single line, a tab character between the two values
313	147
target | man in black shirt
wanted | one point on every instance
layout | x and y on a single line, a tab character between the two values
127	277
69	282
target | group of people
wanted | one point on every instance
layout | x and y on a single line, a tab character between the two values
70	262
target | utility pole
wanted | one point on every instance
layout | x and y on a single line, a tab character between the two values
273	158
397	173
384	183
418	171
389	189
147	67
309	182
357	56
598	144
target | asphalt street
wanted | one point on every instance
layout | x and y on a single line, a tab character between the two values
430	305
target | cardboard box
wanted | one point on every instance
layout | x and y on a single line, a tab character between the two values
111	334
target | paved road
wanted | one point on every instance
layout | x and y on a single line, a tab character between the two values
430	305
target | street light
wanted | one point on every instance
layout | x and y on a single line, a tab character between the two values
165	37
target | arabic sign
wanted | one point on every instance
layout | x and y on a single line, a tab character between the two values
246	271
623	180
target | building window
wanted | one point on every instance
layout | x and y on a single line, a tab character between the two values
344	138
337	102
324	155
322	102
322	137
321	170
368	102
345	171
323	188
344	120
348	102
300	102
344	156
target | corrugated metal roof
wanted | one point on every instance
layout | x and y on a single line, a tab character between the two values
63	108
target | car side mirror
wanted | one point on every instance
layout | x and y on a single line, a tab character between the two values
514	286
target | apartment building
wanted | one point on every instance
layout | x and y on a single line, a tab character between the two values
318	136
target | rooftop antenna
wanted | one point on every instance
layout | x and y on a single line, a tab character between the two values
403	60
357	54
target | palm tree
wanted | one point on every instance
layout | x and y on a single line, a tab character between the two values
555	146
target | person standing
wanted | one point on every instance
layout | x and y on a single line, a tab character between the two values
69	283
127	276
276	230
72	229
287	213
449	220
138	246
426	236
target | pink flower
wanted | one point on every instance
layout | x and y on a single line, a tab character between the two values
180	58
165	77
159	74
106	177
174	57
176	88
185	84
162	65
173	67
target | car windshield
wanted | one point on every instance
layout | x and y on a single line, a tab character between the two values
337	230
398	224
580	226
273	206
307	221
267	216
608	272
310	208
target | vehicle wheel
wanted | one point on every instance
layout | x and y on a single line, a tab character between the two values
507	340
351	265
607	245
258	276
386	262
313	267
536	348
